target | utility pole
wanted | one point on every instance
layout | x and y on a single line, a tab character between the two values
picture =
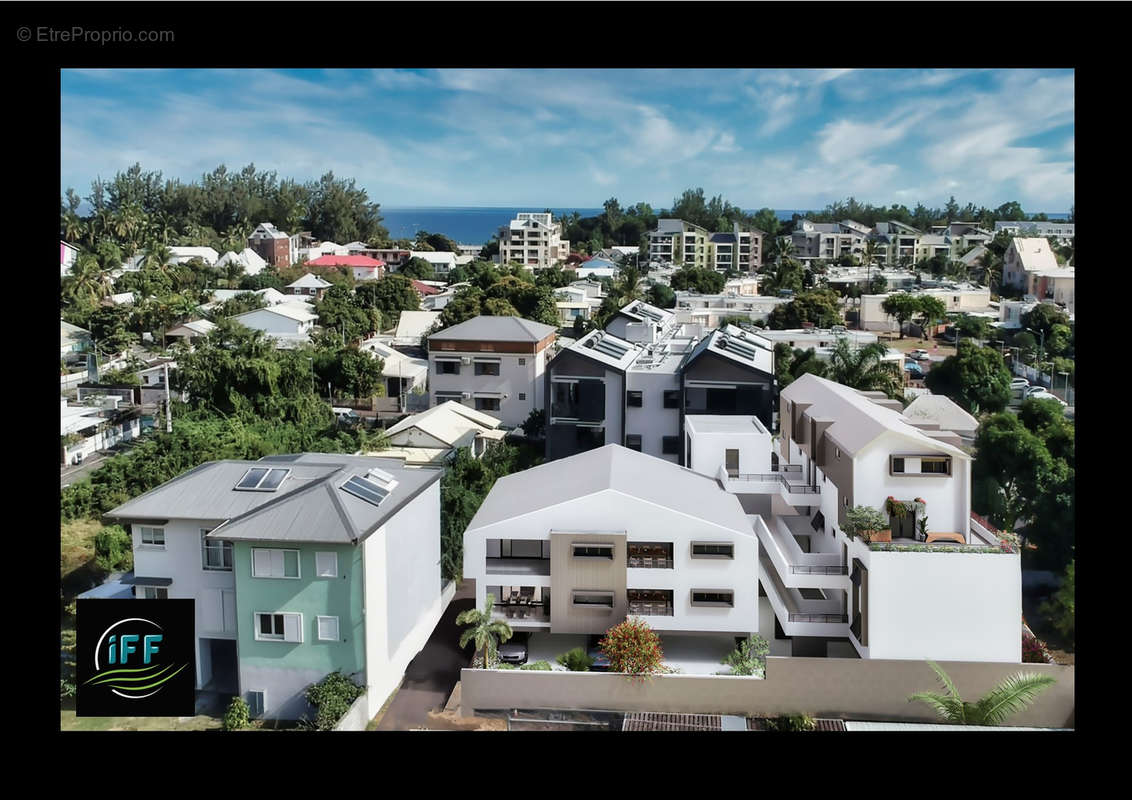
168	403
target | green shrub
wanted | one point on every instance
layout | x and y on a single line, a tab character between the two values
113	549
576	660
332	698
66	688
791	722
542	666
749	658
237	715
502	665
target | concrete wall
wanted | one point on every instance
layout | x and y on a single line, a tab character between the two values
825	687
513	379
652	421
357	717
412	556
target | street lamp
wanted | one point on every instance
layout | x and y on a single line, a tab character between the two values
1042	352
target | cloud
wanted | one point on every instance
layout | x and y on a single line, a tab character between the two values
725	144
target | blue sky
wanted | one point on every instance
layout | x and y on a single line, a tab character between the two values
573	138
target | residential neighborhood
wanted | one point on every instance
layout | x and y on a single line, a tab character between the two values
750	468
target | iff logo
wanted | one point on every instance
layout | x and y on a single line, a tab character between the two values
135	658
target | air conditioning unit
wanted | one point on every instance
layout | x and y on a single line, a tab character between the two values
465	360
466	395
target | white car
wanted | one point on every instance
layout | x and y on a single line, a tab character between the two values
1019	383
1042	394
918	355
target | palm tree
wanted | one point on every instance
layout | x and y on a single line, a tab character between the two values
73	227
484	630
783	248
157	256
863	369
1010	696
88	279
629	287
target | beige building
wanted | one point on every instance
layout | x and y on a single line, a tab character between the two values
959	299
828	240
685	244
533	240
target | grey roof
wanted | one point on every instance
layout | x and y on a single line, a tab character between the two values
742	347
723	238
616	468
669	226
496	329
308	506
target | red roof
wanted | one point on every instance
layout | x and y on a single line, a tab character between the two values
346	261
424	288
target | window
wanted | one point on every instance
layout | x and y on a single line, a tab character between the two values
934	466
278	627
838	451
593	551
897	465
155	593
326	565
671	398
670	445
487	368
633	442
522	395
487	404
216	554
713	597
593	599
634	399
522	362
275	563
257	701
713	550
328	629
731	462
152	536
447	367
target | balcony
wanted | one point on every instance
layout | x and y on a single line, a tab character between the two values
650	602
521	606
795	568
643	555
798	615
518	566
791	486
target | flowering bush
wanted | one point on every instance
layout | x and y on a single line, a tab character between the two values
633	647
1009	542
1034	650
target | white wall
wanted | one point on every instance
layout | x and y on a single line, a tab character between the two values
264	320
513	379
609	510
947	498
652	421
412	557
708	450
944	606
182	560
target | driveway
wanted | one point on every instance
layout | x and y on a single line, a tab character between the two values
433	674
70	474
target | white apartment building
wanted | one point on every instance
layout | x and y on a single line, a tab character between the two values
1023	256
577	545
824	340
493	364
953	593
1064	231
959	298
828	240
708	310
685	244
533	240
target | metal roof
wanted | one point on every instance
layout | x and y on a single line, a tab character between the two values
308	506
496	329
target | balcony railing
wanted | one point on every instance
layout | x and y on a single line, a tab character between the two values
651	562
796	488
833	618
800	569
572	411
650	609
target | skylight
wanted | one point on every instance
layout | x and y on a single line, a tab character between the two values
262	479
365	489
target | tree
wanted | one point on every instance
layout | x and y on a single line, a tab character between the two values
632	647
819	306
628	288
390	295
1044	318
864	368
1015	463
1061	606
487	633
1009	697
789	365
418	268
660	296
535	424
902	306
931	310
786	274
749	658
976	378
704	281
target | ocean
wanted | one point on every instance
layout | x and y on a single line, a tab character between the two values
476	225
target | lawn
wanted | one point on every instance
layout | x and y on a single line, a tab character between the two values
76	550
69	722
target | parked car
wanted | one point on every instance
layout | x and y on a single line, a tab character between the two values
1032	390
1042	394
1019	383
915	369
514	650
601	661
918	355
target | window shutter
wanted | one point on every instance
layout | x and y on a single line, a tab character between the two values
290	564
228	600
213	612
292	627
328	629
261	563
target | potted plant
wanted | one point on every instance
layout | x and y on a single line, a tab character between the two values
868	523
923	529
895	508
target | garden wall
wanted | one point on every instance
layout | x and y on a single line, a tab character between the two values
861	689
356	718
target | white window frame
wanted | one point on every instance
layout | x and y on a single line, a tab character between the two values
319	571
337	629
204	542
298	563
259	637
156	592
263	708
150	545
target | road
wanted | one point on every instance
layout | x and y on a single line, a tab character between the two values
433	674
70	474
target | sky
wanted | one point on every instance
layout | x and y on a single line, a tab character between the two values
782	138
